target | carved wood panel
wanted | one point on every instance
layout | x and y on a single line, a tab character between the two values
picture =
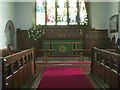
24	42
63	32
96	38
52	33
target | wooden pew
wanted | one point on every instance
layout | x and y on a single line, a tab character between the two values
106	65
18	68
4	52
118	49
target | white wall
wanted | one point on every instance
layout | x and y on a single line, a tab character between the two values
25	14
6	13
20	13
100	13
113	9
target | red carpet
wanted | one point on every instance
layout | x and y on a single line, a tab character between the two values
64	78
60	63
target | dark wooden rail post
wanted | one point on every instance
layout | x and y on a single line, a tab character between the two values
2	72
34	57
119	73
92	60
118	50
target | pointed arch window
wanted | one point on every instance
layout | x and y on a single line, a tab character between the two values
61	12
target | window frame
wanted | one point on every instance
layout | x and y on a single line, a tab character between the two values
78	24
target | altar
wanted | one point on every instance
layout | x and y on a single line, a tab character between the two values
62	47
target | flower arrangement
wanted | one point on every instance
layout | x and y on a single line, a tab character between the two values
36	32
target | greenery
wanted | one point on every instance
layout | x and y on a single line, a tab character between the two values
36	32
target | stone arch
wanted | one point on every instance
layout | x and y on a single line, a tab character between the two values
10	33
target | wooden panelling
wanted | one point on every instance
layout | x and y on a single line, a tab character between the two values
102	72
64	32
24	42
114	79
89	37
16	79
106	65
9	82
22	80
107	76
52	33
96	38
60	32
18	68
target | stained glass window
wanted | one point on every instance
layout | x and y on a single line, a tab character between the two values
83	13
61	12
50	12
40	12
73	12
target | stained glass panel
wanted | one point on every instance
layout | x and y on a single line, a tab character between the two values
40	12
83	13
73	12
50	12
62	12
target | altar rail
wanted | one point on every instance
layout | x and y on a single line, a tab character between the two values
106	66
88	52
17	68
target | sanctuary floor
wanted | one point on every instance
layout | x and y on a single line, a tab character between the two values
40	69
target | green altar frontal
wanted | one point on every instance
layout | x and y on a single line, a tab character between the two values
62	47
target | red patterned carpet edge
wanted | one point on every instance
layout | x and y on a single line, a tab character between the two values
65	78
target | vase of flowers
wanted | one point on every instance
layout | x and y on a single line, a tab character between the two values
36	32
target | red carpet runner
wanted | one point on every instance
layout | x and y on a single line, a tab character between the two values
64	78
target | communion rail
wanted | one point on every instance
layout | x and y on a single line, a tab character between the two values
106	66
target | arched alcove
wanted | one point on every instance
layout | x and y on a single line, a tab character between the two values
10	33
